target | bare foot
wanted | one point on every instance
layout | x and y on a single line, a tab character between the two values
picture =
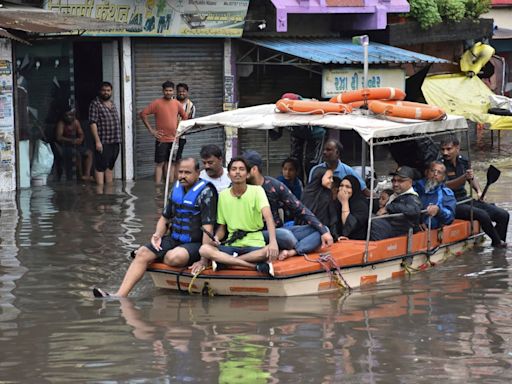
283	255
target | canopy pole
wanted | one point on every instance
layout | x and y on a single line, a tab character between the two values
372	185
169	166
267	152
470	184
364	148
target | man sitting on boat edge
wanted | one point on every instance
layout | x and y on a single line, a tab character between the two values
459	171
405	200
297	239
437	199
240	213
192	205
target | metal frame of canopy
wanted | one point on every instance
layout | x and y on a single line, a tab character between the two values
373	130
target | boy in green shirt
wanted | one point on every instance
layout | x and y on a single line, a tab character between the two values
240	213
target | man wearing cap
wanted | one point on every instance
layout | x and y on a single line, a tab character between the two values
306	143
404	200
297	239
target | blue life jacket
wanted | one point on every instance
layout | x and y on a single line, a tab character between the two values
186	222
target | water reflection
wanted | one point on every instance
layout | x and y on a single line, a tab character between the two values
448	324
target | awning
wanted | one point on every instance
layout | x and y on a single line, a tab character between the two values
37	20
465	96
7	35
341	51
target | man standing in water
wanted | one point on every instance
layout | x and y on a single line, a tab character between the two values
190	110
166	110
192	206
106	130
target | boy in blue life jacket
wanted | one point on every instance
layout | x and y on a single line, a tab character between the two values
437	199
192	205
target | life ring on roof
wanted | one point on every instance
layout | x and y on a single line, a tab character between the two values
406	109
385	93
312	107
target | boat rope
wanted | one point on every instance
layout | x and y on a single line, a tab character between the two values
332	268
193	279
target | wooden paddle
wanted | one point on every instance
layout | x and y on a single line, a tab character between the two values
493	174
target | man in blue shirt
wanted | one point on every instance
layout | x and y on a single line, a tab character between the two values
332	155
437	199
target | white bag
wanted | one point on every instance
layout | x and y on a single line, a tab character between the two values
502	102
42	162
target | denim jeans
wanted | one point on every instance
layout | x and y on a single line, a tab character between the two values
303	238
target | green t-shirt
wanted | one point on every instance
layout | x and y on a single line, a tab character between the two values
243	213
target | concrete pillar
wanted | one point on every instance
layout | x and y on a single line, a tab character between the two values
230	98
127	112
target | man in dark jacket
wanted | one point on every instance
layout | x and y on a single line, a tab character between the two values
459	172
296	239
406	201
437	199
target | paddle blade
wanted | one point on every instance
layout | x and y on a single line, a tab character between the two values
493	174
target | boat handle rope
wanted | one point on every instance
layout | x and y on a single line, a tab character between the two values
328	263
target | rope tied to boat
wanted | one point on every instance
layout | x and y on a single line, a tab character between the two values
332	268
209	291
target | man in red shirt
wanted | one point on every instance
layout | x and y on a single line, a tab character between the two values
166	110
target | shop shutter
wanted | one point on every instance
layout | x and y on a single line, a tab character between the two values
196	62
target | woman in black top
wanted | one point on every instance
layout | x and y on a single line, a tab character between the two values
353	210
317	196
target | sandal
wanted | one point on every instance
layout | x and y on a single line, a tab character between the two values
99	293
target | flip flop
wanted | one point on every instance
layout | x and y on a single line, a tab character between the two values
99	293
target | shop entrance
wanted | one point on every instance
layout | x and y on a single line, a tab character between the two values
52	77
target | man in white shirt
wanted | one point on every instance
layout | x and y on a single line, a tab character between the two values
213	171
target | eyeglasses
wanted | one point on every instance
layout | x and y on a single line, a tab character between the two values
436	171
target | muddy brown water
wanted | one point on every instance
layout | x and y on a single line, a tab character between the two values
448	324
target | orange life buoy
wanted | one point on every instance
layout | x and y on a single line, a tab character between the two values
312	106
406	109
384	93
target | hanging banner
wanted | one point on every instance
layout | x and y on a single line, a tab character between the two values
335	81
198	18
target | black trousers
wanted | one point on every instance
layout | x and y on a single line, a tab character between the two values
305	148
486	214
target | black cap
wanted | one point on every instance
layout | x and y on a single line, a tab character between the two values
405	172
253	158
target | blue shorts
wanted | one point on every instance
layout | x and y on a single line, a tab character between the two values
239	250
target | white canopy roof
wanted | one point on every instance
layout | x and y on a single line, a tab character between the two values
265	117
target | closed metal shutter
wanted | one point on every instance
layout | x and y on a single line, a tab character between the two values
196	62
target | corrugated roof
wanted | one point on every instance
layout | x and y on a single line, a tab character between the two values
343	51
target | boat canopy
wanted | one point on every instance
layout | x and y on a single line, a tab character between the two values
369	127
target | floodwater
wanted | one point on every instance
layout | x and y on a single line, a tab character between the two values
448	324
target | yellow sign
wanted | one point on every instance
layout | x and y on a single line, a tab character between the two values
200	18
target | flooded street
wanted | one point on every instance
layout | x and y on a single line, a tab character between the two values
450	323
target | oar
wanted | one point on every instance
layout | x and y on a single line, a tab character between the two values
493	174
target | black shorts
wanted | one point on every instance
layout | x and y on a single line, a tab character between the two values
163	150
169	243
106	159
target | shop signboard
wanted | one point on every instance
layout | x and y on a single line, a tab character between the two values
337	80
179	18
